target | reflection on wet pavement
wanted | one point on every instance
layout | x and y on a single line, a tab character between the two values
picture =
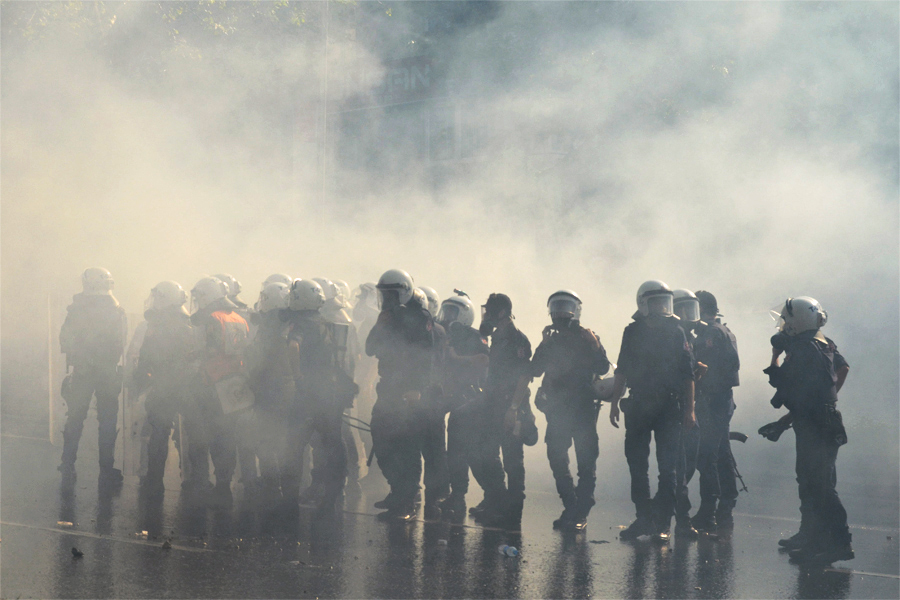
245	552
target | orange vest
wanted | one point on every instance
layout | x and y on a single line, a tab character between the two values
227	358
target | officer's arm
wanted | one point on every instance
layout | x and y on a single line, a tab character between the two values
601	361
690	421
841	375
294	353
377	333
539	360
618	389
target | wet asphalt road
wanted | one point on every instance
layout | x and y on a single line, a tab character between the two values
236	554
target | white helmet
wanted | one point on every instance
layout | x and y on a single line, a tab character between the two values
368	295
686	305
207	290
420	297
456	309
277	278
327	286
802	314
306	294
343	292
275	296
234	286
164	295
434	301
565	304
96	281
654	289
398	281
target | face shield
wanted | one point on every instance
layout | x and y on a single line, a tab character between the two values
388	299
448	313
776	313
688	310
660	305
562	307
148	303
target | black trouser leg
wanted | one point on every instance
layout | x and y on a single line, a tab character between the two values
434	455
667	432
637	453
78	403
107	392
559	439
817	478
333	455
223	449
350	436
459	440
487	466
713	432
587	449
161	422
687	466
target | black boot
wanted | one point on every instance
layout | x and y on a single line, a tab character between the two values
641	526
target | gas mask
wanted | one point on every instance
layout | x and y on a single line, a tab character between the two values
489	321
561	322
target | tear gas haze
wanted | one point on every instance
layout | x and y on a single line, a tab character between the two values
749	149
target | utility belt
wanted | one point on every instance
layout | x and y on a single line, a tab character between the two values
650	404
825	417
556	398
469	401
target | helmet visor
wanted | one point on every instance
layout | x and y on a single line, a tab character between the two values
562	307
388	298
775	313
660	305
448	313
688	310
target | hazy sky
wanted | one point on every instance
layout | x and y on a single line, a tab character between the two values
749	148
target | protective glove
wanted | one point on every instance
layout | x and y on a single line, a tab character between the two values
773	431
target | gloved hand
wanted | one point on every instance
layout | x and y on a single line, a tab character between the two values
772	431
776	377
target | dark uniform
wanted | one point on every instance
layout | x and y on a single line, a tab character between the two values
569	358
657	363
323	392
510	355
402	340
807	383
167	365
272	381
716	347
93	340
462	383
434	438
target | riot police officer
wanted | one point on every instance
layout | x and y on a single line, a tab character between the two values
716	349
807	384
271	378
323	392
687	309
167	366
655	362
212	422
434	413
93	340
464	372
509	421
402	340
334	311
569	357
